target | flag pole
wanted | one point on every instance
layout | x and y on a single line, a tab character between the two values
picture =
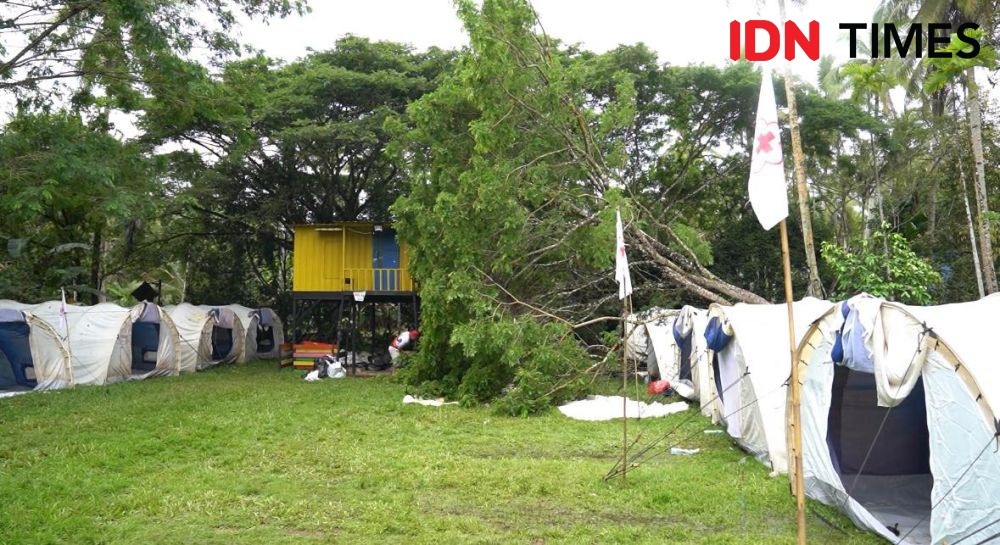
798	486
625	294
625	312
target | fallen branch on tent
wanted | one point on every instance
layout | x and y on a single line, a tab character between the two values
577	141
516	301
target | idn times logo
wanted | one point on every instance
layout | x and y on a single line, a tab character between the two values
745	40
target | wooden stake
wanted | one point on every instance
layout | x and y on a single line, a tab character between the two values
799	485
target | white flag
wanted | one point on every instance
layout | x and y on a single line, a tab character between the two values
768	193
63	323
621	260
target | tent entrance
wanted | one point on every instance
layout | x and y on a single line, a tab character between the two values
17	371
145	346
222	342
265	339
888	471
684	343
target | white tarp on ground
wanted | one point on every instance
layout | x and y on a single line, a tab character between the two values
947	353
100	340
194	327
753	369
49	357
440	402
249	318
599	408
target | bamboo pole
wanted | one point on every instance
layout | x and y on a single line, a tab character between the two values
799	485
626	310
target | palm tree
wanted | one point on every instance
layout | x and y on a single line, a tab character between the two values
815	288
955	12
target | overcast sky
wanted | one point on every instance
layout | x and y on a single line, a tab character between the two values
681	32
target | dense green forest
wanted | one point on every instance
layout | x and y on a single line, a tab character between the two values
502	164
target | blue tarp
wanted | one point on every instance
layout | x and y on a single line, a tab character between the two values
717	340
715	336
855	353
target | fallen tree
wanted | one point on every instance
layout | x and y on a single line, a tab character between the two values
516	171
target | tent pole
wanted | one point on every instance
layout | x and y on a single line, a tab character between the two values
798	485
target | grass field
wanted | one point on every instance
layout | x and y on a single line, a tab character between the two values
250	455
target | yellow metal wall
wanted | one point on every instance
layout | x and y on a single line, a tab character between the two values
327	254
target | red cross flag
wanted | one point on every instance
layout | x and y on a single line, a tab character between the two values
63	322
621	260
768	193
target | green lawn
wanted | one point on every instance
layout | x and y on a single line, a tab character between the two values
252	455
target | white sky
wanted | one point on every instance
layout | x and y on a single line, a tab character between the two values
681	32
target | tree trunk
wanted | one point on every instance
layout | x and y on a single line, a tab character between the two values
982	207
972	230
815	288
95	265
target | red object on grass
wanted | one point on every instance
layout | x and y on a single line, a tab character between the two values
657	387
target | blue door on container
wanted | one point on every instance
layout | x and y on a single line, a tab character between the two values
385	260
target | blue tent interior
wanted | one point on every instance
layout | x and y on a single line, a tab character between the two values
145	343
265	339
222	342
868	439
16	367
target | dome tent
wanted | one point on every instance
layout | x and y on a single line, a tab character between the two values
108	343
270	334
648	337
264	332
250	319
750	363
32	355
208	335
899	425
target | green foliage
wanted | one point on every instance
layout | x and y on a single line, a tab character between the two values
280	145
117	52
504	220
901	275
694	241
66	185
947	69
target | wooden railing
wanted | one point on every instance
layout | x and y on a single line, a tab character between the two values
378	280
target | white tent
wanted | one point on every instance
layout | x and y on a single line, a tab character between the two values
648	338
750	365
250	320
32	354
270	334
208	335
100	341
264	332
899	423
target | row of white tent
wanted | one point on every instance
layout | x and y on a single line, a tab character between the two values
51	346
899	429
